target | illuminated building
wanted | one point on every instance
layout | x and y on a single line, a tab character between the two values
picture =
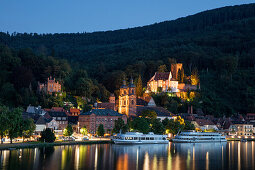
127	99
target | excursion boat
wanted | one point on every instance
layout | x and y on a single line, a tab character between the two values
139	138
199	137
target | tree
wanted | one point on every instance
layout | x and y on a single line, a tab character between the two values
194	77
100	130
139	87
162	68
189	126
3	121
141	125
68	131
157	126
149	114
47	136
14	123
27	128
120	125
173	126
181	75
84	130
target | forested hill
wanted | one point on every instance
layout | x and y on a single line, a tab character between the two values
219	42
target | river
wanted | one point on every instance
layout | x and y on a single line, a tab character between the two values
172	156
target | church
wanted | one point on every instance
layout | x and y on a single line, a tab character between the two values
127	99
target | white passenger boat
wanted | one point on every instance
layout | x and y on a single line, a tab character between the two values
139	138
198	137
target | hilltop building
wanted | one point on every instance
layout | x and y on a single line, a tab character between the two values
127	99
175	69
49	87
168	82
165	81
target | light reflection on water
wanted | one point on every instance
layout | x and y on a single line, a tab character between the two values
172	156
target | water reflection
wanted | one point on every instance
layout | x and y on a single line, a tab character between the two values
232	155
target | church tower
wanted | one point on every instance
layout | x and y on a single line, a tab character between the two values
127	99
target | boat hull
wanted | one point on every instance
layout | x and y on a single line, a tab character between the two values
197	141
140	142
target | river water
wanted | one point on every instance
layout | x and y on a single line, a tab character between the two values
172	156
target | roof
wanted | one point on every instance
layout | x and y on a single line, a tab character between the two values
57	114
102	112
141	102
57	109
74	110
202	122
250	114
106	105
33	109
160	76
159	110
41	121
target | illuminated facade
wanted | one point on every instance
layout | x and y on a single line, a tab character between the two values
127	99
241	130
165	81
95	117
51	86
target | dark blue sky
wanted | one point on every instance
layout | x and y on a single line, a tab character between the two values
58	16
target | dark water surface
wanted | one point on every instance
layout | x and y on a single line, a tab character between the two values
172	156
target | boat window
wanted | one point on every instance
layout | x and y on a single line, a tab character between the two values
151	138
147	138
164	138
135	138
142	138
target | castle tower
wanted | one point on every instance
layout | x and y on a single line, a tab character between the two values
175	68
112	98
127	98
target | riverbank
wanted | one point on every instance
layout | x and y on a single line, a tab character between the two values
239	139
40	144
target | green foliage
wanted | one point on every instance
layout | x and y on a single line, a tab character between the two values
120	125
157	127
47	136
100	130
3	121
139	87
162	68
149	114
172	126
84	131
68	131
27	128
189	126
14	118
140	125
181	75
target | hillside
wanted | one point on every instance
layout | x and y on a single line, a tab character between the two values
219	42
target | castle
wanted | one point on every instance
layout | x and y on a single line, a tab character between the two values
167	82
127	99
51	86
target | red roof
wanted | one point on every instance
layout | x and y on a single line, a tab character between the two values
74	110
202	122
160	76
250	114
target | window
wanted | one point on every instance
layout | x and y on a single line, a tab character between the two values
132	102
132	91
